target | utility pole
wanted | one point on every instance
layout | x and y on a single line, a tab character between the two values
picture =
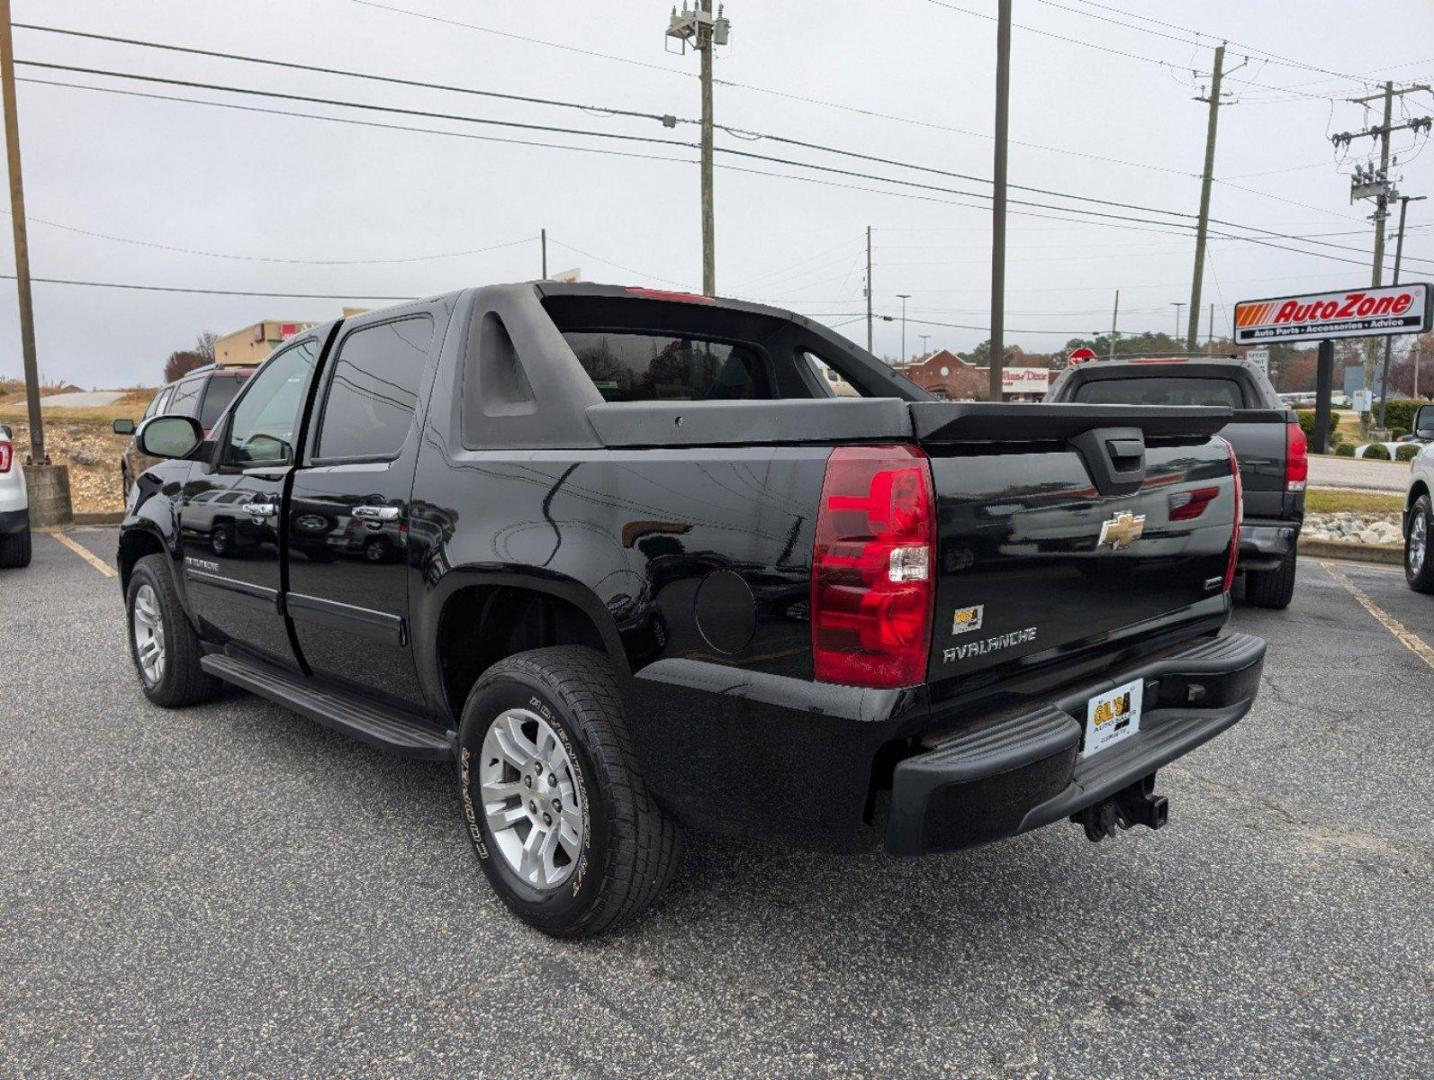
1404	201
1192	335
998	197
905	296
699	28
1369	183
1114	315
868	289
1177	305
22	245
924	339
543	236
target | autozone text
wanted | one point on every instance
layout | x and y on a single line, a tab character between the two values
1356	305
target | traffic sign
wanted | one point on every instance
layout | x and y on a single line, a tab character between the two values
1080	356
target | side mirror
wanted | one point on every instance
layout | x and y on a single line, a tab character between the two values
169	436
1424	422
123	427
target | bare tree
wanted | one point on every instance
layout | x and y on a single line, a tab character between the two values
204	345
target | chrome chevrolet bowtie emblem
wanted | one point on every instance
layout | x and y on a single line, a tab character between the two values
1121	531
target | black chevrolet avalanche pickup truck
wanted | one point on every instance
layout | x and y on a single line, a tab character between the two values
626	560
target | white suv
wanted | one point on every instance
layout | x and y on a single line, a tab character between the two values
1419	507
14	505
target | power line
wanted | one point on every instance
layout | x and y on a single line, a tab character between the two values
209	292
1066	210
349	73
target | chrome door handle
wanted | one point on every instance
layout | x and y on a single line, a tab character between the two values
260	509
376	513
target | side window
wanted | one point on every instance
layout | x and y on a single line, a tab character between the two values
157	406
373	390
828	377
267	417
185	401
222	389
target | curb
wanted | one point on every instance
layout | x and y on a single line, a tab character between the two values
1343	549
106	518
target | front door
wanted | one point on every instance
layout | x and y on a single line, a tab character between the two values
229	522
349	511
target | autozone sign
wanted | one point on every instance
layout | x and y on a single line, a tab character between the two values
1394	309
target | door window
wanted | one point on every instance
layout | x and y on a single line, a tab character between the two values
186	397
264	422
157	406
222	389
373	391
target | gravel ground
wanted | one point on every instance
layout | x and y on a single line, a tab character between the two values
230	890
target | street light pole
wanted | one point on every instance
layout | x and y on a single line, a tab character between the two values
1404	201
905	296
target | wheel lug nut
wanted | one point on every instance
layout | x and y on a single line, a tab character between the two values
547	819
528	781
558	805
532	807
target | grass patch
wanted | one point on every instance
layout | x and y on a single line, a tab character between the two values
1325	501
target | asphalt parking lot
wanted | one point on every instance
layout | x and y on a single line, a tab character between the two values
231	890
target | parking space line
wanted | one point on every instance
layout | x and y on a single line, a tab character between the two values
1411	641
89	556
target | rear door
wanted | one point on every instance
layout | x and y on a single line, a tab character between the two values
349	507
229	523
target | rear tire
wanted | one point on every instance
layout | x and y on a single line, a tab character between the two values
15	549
1272	588
1418	566
625	849
151	603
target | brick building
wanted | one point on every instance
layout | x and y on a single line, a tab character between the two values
947	376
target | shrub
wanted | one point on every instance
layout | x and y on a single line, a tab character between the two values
1401	413
1397	433
1345	449
1307	422
1408	452
1377	451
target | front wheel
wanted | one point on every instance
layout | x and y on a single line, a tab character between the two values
556	809
1272	588
1418	568
162	643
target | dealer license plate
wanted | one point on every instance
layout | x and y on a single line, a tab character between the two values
1112	717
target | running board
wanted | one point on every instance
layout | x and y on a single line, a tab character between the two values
387	729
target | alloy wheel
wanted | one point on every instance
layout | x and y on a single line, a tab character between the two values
1418	542
529	792
148	634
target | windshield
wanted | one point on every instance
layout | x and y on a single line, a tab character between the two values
1161	390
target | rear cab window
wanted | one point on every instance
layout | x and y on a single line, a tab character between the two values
1162	390
635	366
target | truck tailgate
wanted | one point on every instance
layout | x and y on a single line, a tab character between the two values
1061	527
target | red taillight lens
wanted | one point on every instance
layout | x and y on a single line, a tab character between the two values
1188	505
872	565
7	455
1233	557
1297	459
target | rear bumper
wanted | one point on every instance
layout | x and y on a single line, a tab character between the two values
14	521
1020	772
1264	543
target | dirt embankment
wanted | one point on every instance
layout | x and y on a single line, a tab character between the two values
93	454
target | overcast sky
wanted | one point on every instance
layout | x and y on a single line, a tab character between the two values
1097	109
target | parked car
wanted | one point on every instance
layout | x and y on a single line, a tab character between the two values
657	574
1267	437
202	393
1419	506
14	505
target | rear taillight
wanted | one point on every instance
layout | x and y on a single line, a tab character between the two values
7	455
1233	557
1297	459
873	561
